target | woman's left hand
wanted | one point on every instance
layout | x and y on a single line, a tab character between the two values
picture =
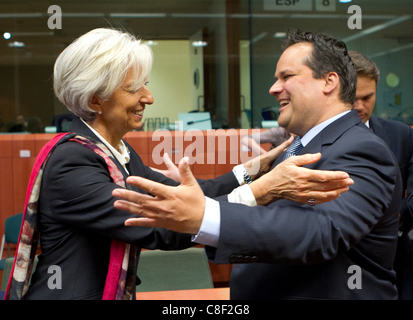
172	171
262	164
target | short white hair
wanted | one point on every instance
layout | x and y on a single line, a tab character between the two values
98	63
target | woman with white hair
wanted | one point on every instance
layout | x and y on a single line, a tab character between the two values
102	78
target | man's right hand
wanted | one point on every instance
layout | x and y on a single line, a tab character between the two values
289	180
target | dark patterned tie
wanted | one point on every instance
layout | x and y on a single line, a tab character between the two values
294	148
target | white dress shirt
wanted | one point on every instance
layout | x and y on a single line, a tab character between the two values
209	232
123	157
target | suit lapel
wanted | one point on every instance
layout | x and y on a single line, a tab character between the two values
332	132
377	127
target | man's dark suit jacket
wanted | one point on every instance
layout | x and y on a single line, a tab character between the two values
78	220
399	137
294	251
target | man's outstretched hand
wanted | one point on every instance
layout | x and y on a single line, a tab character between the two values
180	208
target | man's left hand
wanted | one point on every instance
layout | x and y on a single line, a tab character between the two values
180	208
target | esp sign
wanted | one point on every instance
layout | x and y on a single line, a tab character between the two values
288	5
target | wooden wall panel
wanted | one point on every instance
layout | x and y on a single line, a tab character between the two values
138	141
23	143
40	140
5	146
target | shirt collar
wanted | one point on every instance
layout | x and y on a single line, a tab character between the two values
318	128
123	157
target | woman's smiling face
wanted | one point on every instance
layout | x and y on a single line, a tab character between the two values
123	111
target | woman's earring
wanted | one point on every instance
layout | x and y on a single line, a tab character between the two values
100	112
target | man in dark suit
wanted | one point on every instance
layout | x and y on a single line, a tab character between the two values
343	249
399	137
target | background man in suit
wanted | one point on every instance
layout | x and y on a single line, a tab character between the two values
343	249
399	137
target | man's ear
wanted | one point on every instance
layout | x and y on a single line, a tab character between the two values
332	82
95	103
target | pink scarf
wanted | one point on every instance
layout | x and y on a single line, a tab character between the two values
120	278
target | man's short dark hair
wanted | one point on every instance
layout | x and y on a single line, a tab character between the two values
329	55
364	66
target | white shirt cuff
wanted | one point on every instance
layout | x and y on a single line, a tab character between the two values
239	173
243	195
211	223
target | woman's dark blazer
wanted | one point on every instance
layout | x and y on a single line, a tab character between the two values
78	221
